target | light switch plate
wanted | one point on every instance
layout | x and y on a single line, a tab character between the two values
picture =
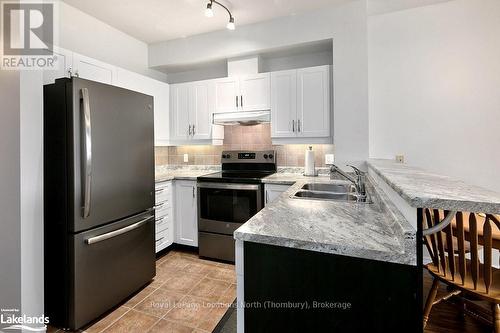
186	158
329	159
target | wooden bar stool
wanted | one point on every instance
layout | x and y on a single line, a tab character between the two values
450	263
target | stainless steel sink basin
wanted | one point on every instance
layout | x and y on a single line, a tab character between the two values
330	192
326	195
333	188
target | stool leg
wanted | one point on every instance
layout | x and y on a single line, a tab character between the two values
430	299
496	317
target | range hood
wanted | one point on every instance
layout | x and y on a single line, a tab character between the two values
246	118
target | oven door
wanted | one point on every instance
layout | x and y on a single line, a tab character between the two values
223	207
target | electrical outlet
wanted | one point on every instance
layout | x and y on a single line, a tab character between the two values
329	159
186	158
400	158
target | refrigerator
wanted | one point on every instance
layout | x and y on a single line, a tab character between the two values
98	198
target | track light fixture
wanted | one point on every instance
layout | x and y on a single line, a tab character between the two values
210	13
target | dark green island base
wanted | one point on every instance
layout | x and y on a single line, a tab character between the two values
291	290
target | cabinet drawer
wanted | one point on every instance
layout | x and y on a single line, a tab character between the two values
163	193
162	242
164	203
161	229
163	216
162	196
163	209
163	187
162	226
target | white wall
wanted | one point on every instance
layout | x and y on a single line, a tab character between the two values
84	34
345	24
434	81
31	195
10	241
21	170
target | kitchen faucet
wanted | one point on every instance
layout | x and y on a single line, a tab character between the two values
359	181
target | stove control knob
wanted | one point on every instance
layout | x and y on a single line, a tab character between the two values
228	156
265	156
271	155
223	155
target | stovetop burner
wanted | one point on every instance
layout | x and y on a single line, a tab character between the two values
244	167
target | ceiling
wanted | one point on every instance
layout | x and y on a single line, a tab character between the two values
375	7
159	20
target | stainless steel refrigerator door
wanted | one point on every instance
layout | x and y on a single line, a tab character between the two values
113	153
109	264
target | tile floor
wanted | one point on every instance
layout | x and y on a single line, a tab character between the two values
188	294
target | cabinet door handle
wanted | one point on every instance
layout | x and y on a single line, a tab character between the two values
298	125
241	99
236	101
193	192
189	129
293	125
194	132
267	197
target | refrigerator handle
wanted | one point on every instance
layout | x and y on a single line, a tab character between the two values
87	151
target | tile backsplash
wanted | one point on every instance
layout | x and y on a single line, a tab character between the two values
256	137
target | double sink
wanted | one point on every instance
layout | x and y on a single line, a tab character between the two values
330	192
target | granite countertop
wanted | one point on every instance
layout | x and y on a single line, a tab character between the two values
179	175
421	189
372	231
170	172
290	178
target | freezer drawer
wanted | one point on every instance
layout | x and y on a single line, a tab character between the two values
110	263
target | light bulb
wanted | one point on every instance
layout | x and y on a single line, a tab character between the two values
230	24
209	12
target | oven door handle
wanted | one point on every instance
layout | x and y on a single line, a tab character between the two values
225	186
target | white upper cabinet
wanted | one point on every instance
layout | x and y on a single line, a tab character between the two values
92	69
191	108
73	64
161	109
313	102
227	94
283	103
179	110
301	103
255	92
63	66
244	93
200	110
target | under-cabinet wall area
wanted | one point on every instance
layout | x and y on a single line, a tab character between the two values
238	137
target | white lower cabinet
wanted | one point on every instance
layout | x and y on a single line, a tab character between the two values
164	215
272	191
186	217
